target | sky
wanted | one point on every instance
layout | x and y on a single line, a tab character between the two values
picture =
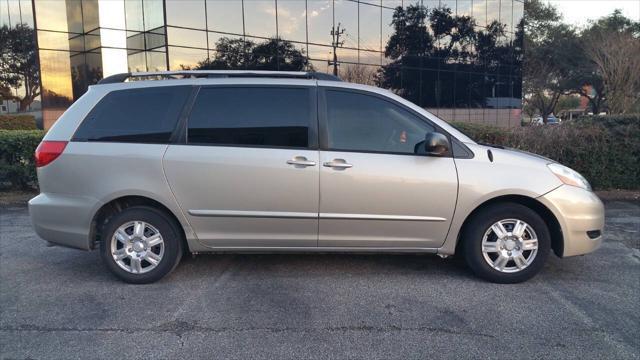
578	12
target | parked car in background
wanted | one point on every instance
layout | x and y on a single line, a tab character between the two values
551	120
245	161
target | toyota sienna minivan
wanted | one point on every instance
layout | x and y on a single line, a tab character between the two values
147	167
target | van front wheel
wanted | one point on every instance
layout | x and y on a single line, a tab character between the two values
140	245
506	243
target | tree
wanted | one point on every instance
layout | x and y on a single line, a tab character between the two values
489	53
454	36
600	63
433	52
528	110
6	93
566	102
411	36
18	62
409	47
550	49
359	74
585	80
240	54
612	44
278	54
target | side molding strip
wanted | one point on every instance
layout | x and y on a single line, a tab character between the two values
379	217
254	214
308	215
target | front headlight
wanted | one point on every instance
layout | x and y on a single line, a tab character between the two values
569	176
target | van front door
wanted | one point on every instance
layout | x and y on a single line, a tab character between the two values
375	190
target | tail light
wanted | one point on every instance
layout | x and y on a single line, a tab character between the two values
48	151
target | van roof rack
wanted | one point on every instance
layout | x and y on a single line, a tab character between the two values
190	74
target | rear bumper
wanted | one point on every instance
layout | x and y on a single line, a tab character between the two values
579	212
63	219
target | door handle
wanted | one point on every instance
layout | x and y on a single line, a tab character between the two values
301	161
337	164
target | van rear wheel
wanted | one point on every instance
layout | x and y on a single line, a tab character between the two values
506	243
141	245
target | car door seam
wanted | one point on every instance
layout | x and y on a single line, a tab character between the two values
173	195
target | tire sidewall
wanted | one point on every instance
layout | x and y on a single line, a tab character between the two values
474	233
170	235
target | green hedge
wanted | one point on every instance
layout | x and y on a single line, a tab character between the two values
605	149
611	121
17	122
17	162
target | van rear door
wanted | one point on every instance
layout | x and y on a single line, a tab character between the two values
247	174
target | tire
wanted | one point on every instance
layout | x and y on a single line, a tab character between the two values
145	258
523	260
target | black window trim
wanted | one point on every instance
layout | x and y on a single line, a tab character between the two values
181	137
324	131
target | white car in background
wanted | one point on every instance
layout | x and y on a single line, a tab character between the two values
551	120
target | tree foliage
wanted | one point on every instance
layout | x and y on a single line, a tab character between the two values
357	73
566	102
600	62
550	48
240	54
18	63
439	59
612	46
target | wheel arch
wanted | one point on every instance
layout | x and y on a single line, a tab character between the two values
557	238
118	204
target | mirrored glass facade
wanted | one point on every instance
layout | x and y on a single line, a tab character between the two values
19	91
473	77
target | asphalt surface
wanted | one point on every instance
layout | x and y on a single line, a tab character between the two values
62	303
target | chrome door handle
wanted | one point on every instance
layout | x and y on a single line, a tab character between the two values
301	161
337	164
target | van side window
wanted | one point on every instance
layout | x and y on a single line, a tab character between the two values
251	116
143	115
363	122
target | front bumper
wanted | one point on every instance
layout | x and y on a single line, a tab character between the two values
578	211
63	219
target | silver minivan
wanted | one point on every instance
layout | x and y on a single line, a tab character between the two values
149	166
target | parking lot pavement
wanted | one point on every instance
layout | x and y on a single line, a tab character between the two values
62	303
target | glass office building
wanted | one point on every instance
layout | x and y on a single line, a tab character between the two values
82	41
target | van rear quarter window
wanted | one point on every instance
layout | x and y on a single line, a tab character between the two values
143	115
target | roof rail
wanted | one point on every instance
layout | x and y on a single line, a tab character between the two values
186	74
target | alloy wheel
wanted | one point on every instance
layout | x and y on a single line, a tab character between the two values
137	247
509	245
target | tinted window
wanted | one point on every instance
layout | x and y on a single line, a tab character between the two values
136	115
367	123
251	116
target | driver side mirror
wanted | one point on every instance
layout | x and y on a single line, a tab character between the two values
436	143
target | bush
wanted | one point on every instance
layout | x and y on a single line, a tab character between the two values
610	121
17	162
18	122
605	149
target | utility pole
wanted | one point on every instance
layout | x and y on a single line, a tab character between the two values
335	43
